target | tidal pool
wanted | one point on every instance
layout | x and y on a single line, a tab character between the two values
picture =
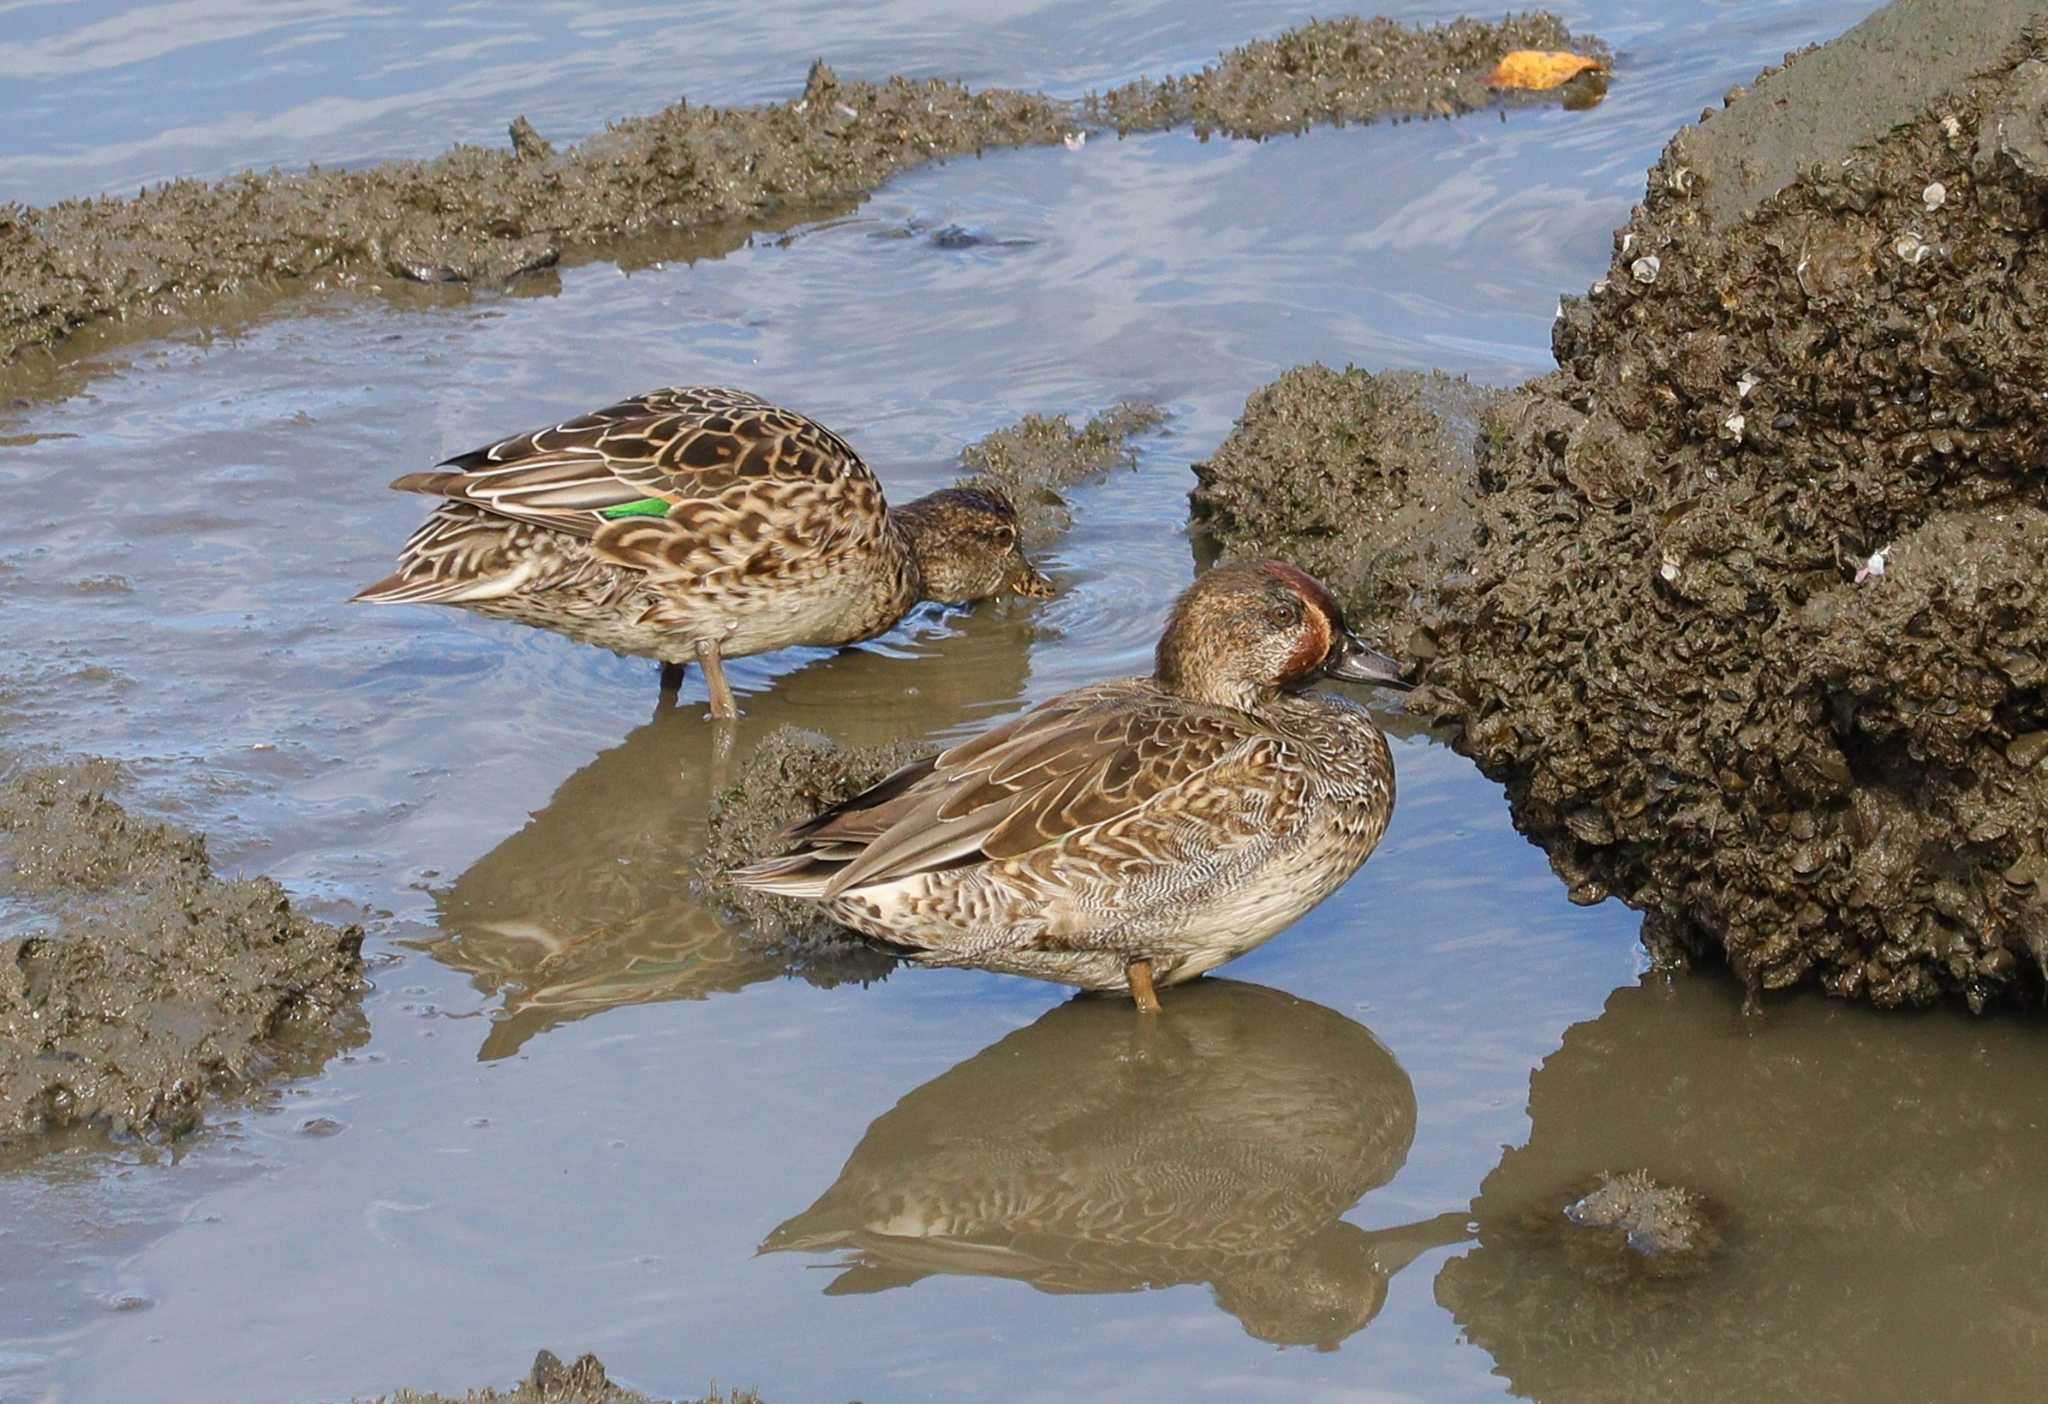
588	1102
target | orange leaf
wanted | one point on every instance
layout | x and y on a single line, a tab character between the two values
1537	69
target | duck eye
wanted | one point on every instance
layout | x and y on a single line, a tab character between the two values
1006	535
1283	616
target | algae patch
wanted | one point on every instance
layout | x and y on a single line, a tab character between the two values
1646	1225
162	987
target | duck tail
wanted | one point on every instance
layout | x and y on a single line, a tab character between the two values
397	588
435	484
793	875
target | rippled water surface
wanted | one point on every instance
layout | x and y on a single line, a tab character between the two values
588	1103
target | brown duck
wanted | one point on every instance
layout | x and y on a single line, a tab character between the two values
697	523
1133	833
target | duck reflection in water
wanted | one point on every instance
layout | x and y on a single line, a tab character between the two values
1093	1153
593	903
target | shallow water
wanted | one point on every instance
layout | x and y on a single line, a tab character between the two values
588	1102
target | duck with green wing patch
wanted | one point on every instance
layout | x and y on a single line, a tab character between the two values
700	523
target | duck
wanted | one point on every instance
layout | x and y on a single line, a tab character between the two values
1132	834
696	523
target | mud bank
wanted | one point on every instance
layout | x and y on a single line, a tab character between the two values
552	1382
480	217
1363	480
158	987
1041	456
789	777
1751	622
1343	70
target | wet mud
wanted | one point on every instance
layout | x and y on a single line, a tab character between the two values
147	987
1365	481
1035	460
1858	1194
1751	620
1637	1224
790	776
552	1382
482	218
1339	71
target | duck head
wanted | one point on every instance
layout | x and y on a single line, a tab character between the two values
967	547
1245	632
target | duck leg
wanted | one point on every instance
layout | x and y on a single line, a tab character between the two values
1139	975
714	678
672	678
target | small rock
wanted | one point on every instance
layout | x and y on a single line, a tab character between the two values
1934	196
1655	1220
2029	750
1646	268
528	144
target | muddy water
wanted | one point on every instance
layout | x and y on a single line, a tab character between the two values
587	1103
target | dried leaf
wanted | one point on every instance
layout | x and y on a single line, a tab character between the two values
1538	70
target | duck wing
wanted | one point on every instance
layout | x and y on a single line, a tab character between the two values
673	455
1060	772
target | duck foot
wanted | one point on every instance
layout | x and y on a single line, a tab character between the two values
722	705
1139	975
672	678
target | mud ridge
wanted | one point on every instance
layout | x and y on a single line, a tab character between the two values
159	987
790	776
1750	617
552	1382
1365	481
1343	71
478	218
1036	459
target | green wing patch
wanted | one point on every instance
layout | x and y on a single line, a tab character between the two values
645	507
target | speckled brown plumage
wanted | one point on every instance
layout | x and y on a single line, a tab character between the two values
775	533
1176	820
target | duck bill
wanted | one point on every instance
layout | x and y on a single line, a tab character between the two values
1352	661
1026	580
